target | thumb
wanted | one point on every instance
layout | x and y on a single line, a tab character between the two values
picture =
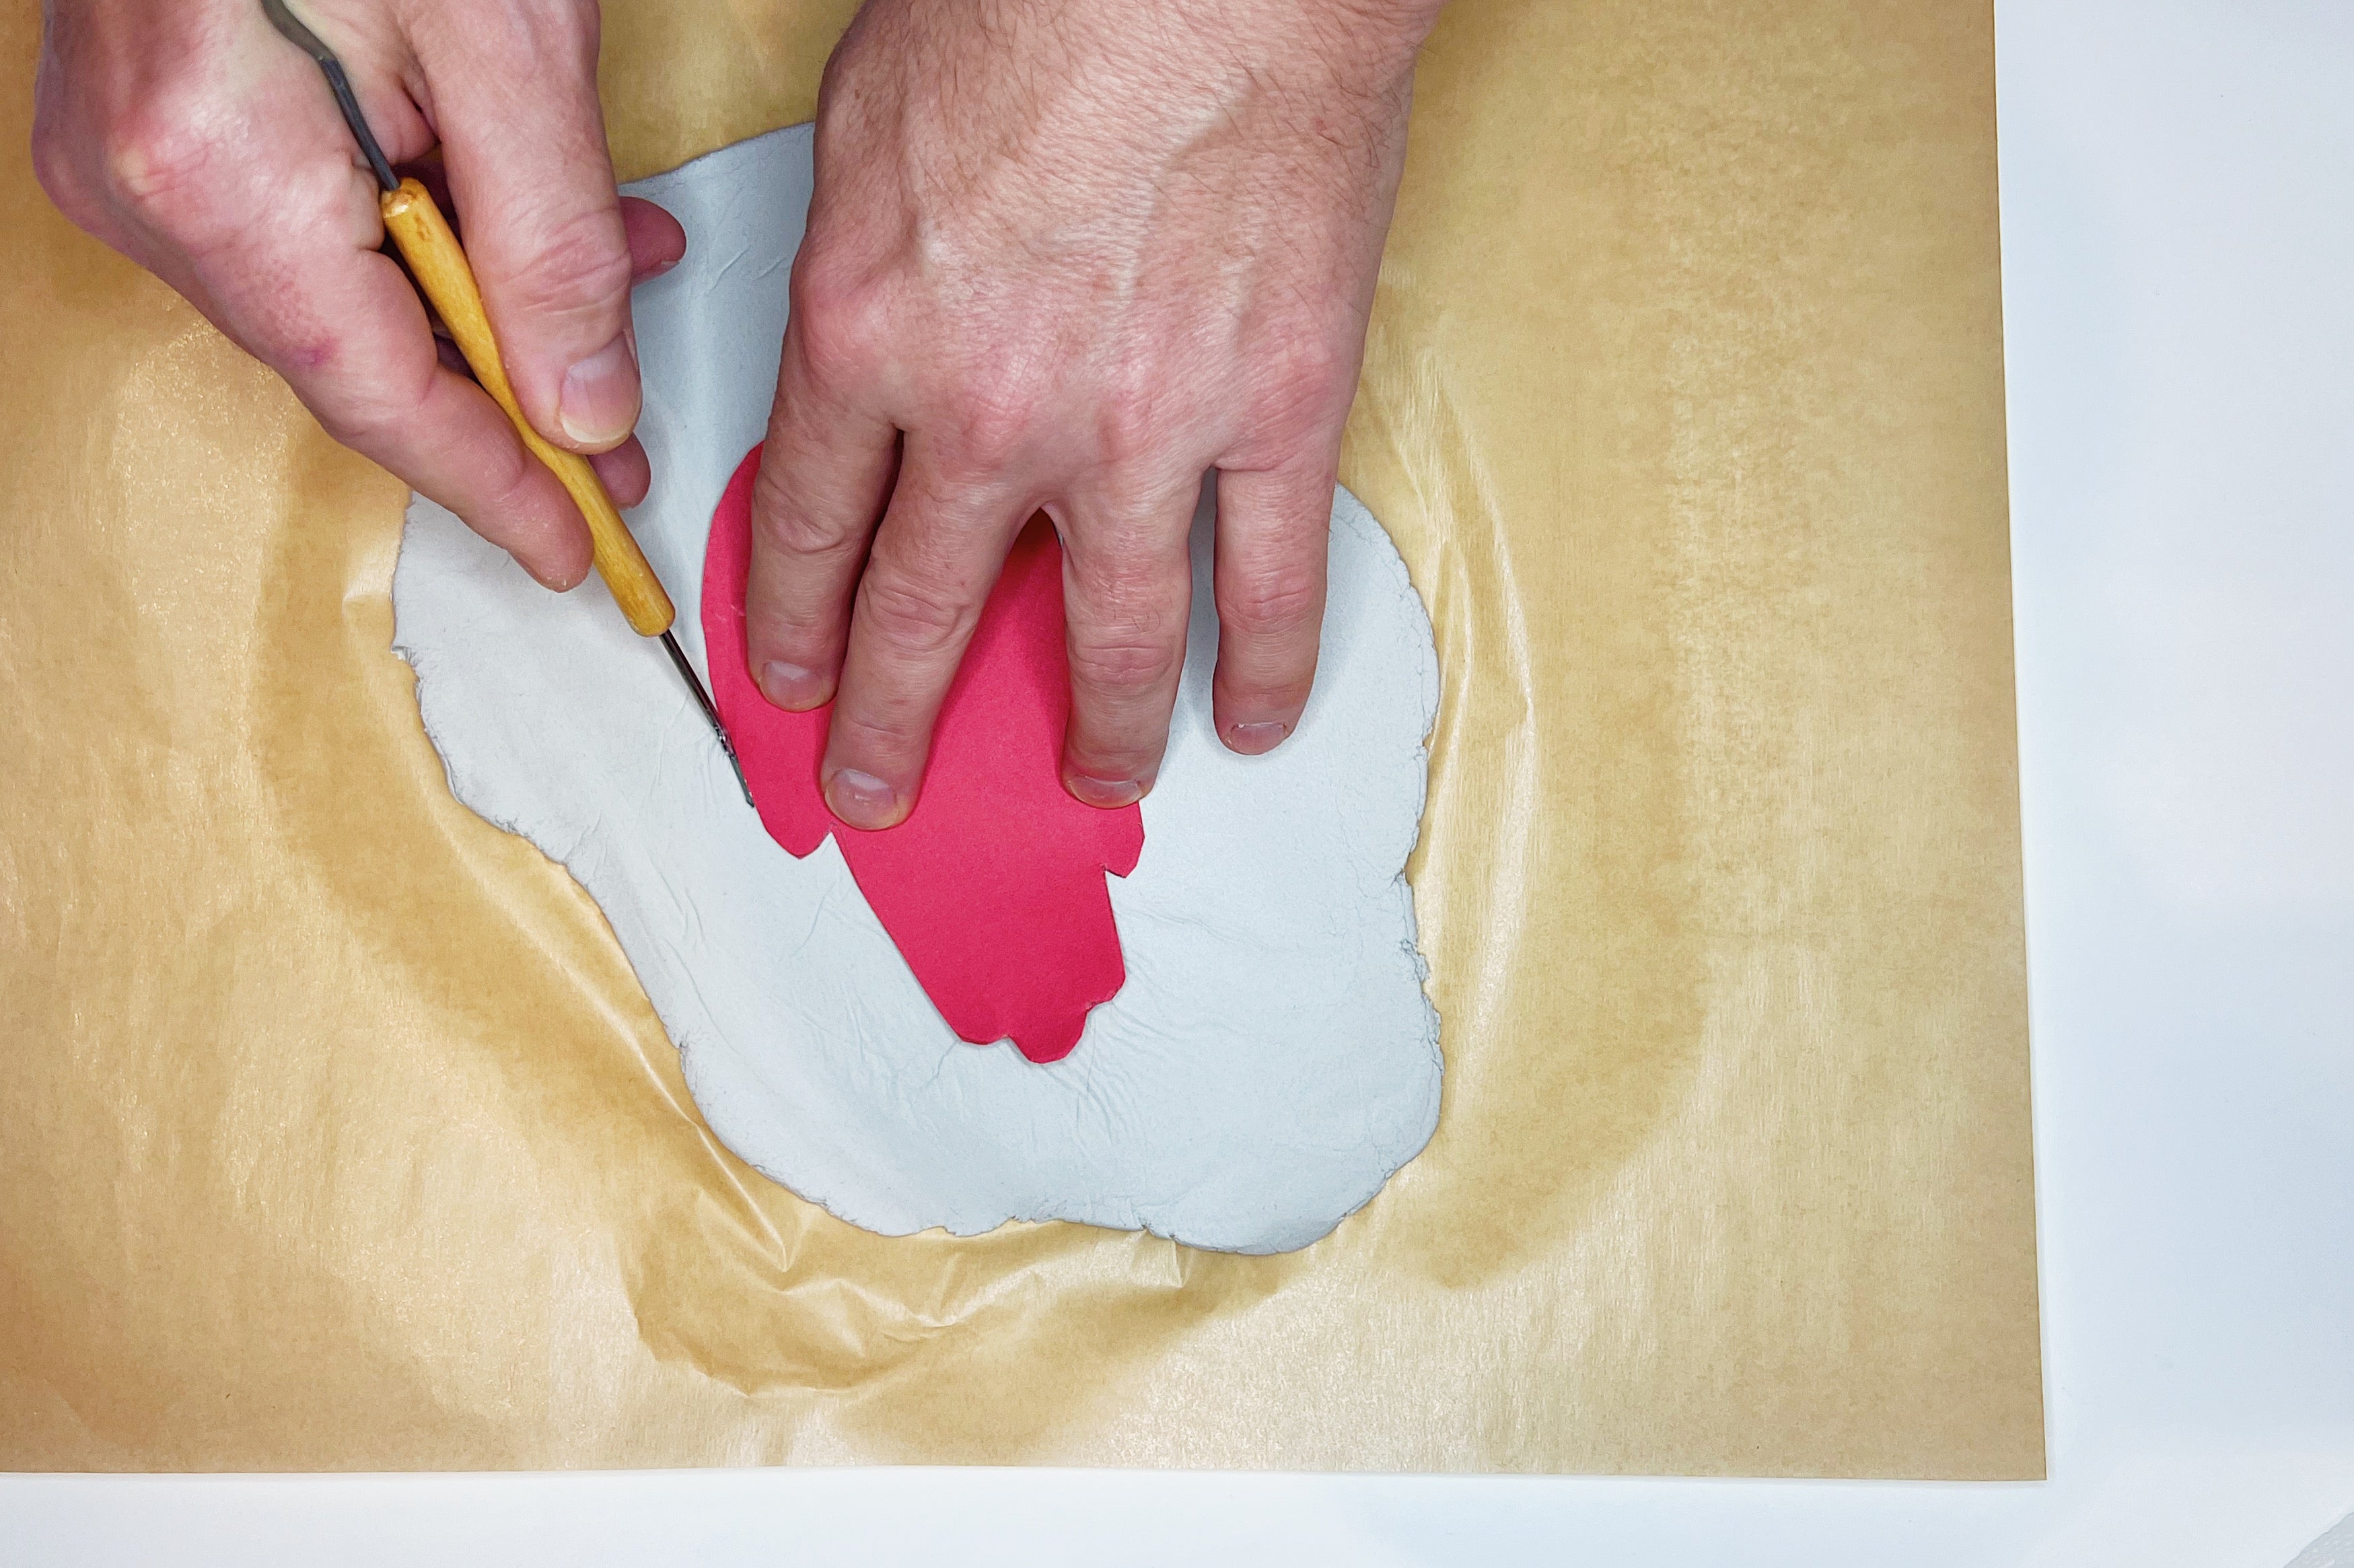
523	141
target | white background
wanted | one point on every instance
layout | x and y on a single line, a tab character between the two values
2179	263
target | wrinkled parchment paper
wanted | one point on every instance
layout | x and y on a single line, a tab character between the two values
338	1134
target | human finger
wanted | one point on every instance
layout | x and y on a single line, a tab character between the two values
936	557
427	423
522	140
1271	536
355	346
626	473
824	478
1127	582
657	241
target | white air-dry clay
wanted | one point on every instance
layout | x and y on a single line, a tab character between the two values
1272	1058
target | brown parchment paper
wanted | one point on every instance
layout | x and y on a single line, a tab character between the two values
336	1132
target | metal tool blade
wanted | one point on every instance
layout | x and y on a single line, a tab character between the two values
703	700
304	38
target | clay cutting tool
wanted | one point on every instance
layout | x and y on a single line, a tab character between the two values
439	264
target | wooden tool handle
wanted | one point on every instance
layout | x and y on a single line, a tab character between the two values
434	254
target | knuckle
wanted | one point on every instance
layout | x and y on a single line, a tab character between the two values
354	421
1257	695
1271	603
161	161
843	320
883	734
361	425
795	530
1306	382
1127	660
992	422
367	413
582	263
911	614
509	476
1125	423
1313	363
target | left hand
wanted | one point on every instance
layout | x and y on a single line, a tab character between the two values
1070	255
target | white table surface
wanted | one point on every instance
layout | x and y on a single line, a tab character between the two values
2178	225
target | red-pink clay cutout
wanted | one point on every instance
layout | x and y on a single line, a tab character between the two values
993	889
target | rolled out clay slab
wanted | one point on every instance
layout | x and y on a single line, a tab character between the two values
1271	1059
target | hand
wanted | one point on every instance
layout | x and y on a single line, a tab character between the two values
191	137
1070	255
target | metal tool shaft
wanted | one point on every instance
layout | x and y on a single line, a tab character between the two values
678	657
304	38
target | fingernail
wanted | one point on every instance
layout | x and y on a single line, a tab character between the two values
862	800
1108	793
1251	739
599	402
790	687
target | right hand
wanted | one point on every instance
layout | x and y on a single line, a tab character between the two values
191	137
